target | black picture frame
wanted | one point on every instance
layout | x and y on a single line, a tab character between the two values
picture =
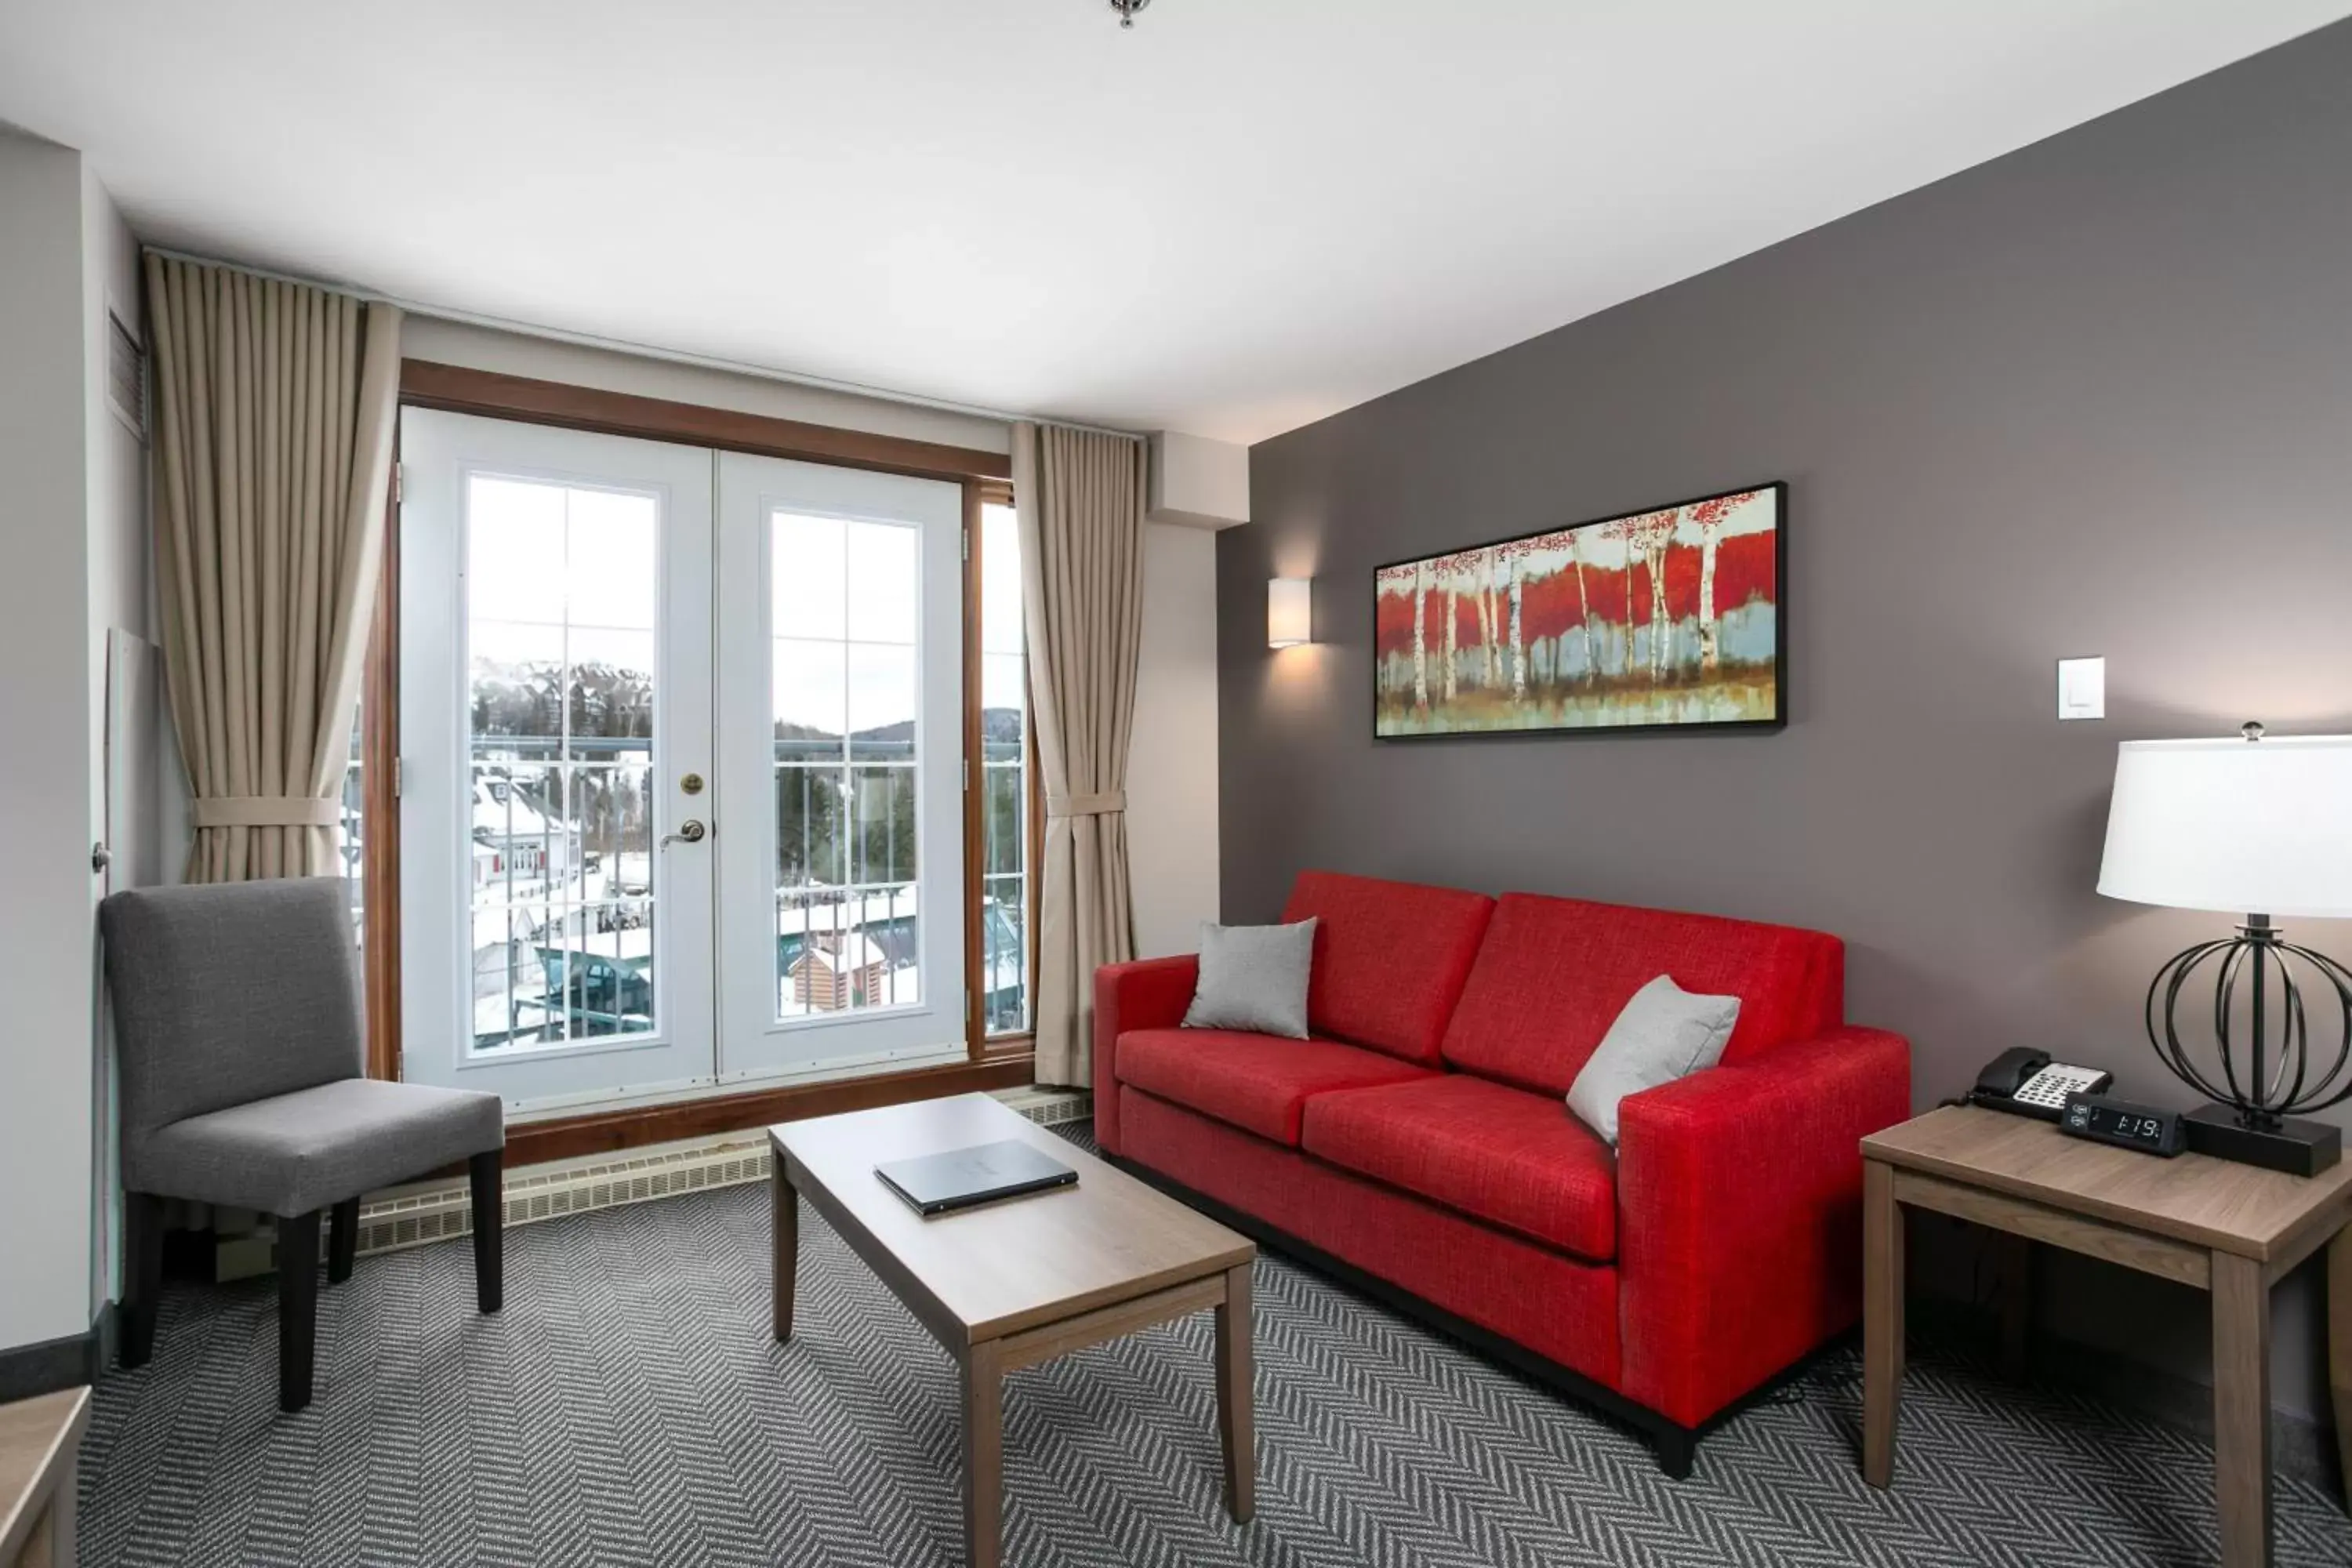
1777	491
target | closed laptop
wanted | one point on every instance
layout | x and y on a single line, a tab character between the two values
960	1178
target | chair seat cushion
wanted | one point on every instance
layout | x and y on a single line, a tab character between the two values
1514	1159
295	1152
1260	1083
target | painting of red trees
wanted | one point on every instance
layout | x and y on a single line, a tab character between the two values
1665	619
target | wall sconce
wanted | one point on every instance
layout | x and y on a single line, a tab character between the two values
1289	612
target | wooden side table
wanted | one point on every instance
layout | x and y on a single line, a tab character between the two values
2228	1229
38	1441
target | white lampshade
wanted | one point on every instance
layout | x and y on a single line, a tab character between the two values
1289	612
2245	827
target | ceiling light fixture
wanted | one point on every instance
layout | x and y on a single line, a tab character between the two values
1127	10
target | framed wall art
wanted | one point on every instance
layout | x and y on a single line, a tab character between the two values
1666	619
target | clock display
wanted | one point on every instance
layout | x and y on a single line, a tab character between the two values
2108	1121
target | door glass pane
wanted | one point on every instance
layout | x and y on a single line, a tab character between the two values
517	672
1004	767
609	692
846	597
808	577
514	551
882	699
561	587
809	682
882	598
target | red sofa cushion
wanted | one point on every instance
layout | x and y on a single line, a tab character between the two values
1512	1158
1257	1083
1553	974
1390	958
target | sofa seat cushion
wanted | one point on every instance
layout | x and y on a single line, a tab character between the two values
1554	973
1503	1155
1260	1083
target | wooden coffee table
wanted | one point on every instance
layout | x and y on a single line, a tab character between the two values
1013	1283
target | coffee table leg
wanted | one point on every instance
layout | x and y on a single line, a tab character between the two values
1236	1424
1882	1320
786	1206
984	1455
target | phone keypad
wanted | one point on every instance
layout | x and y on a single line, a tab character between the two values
2049	1087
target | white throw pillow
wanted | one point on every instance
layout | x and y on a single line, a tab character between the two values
1663	1034
1254	978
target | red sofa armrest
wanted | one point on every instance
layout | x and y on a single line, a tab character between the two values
1148	994
1739	1214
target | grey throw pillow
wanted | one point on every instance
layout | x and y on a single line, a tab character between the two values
1254	977
1665	1033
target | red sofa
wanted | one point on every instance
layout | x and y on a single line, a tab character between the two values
1419	1145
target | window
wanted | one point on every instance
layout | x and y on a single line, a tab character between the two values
1004	781
757	726
561	587
848	595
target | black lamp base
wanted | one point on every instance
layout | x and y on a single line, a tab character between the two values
2296	1146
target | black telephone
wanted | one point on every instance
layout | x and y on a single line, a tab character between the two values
2028	1082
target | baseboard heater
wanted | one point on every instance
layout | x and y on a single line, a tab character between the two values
412	1217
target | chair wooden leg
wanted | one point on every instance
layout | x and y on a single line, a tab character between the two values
343	1240
484	1175
297	1307
142	1228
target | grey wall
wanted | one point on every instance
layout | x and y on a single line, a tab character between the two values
2093	398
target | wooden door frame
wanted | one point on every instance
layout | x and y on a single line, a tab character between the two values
979	1044
1004	1062
380	801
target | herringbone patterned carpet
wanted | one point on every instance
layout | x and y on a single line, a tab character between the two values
629	1408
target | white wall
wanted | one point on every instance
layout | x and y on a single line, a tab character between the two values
1198	481
1172	769
1172	764
542	359
47	940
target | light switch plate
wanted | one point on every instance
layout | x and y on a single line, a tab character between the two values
2081	689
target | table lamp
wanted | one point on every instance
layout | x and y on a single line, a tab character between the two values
2258	827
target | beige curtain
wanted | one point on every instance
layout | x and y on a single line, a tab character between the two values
1079	495
274	407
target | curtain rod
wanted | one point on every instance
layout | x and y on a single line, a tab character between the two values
642	350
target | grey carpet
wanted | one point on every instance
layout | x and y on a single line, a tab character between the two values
629	1408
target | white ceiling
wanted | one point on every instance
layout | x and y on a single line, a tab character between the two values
1238	218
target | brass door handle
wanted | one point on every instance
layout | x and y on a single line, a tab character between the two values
689	832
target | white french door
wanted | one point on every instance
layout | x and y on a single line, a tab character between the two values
840	757
556	761
681	766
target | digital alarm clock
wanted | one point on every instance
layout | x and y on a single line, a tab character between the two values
2103	1118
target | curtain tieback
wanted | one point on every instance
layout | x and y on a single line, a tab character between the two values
1100	805
267	811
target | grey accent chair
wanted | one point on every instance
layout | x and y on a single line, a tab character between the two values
236	1019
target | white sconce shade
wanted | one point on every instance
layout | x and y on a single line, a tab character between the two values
1289	612
2243	826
